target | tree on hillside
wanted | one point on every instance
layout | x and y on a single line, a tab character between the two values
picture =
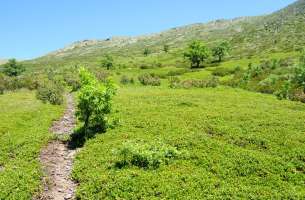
94	101
166	48
107	62
197	53
12	68
146	52
221	50
299	77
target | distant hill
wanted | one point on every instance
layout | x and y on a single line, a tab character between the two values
282	31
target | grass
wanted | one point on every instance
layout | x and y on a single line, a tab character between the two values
233	144
24	127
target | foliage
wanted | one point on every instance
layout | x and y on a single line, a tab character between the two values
145	156
94	101
24	131
126	80
149	79
175	82
166	48
224	71
13	68
146	52
221	50
197	53
51	92
299	75
239	144
285	91
107	62
72	81
2	83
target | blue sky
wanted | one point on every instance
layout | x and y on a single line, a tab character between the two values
31	28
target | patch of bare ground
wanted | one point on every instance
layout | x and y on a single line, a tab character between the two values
57	159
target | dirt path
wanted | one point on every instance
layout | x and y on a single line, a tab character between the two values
57	159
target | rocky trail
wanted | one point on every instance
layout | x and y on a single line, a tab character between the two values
57	159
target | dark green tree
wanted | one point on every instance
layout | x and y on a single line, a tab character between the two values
146	52
221	50
107	62
299	76
13	68
196	53
166	48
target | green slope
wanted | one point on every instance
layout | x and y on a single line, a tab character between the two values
234	145
24	129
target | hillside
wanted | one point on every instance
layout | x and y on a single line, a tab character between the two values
281	31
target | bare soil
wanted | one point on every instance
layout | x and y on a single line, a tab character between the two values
57	159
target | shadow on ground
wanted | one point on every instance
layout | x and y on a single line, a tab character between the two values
79	137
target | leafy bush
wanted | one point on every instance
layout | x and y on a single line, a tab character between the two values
50	92
2	83
149	79
284	92
145	156
12	68
13	83
126	80
267	85
102	75
72	81
33	83
176	83
213	82
94	101
177	72
223	71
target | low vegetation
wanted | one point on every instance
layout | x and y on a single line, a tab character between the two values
24	129
217	148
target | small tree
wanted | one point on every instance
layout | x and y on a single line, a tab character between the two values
94	101
146	52
12	68
197	53
221	50
166	48
299	76
107	62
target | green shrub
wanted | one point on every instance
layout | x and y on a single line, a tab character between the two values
267	85
102	75
126	80
94	101
13	68
285	91
174	82
2	83
186	84
33	83
149	79
50	92
213	82
223	71
178	72
13	83
145	156
72	81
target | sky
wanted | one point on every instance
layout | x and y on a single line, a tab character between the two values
32	28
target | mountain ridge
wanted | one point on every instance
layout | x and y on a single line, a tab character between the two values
276	32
